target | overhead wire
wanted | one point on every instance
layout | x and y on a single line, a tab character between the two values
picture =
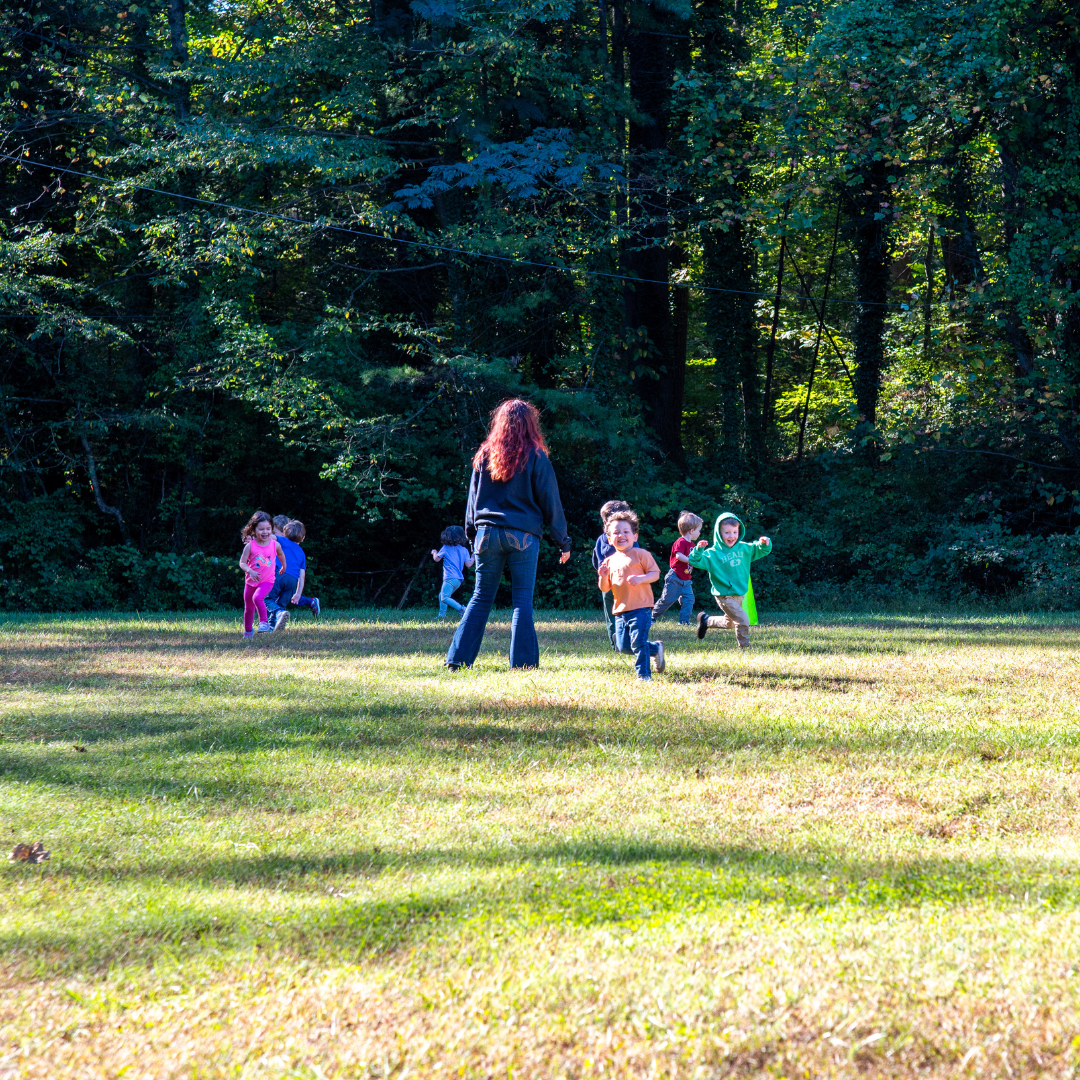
427	244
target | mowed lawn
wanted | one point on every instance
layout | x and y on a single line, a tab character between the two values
852	851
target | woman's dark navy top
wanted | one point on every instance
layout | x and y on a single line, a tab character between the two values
528	501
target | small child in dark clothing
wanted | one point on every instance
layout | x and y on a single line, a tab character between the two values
454	556
601	551
289	587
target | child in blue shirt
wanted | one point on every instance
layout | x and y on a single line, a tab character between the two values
454	556
289	586
601	551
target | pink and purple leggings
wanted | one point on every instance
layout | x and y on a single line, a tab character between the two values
253	602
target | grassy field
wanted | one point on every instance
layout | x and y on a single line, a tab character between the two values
851	852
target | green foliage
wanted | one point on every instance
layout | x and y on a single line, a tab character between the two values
290	258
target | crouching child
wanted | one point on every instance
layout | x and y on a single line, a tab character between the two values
727	562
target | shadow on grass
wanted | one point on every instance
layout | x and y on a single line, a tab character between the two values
772	680
175	752
374	637
590	882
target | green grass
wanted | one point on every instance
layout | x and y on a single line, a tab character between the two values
852	851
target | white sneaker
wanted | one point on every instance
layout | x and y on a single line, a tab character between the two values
265	628
661	663
280	619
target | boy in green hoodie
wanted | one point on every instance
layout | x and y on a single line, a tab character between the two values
728	563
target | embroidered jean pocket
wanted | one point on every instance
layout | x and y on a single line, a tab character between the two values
481	543
518	541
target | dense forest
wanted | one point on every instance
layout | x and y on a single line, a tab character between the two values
818	263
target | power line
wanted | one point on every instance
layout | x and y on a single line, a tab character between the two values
426	244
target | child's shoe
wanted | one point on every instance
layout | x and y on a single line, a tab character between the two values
702	624
249	633
265	628
280	619
315	606
658	659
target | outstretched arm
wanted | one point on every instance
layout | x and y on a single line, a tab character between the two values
761	547
546	493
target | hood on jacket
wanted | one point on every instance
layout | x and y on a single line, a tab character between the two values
718	540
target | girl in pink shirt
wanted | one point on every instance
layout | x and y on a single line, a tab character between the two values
258	561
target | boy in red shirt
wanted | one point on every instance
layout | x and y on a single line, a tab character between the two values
677	585
628	574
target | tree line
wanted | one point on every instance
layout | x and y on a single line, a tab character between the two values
816	262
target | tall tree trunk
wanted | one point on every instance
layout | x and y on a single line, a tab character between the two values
178	41
647	303
729	320
774	325
728	260
872	242
928	294
1014	209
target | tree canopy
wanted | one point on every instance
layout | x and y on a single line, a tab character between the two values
816	262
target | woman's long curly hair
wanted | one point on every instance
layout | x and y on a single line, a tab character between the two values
513	434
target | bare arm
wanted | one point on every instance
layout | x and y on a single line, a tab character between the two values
605	577
281	556
299	587
435	555
680	557
244	556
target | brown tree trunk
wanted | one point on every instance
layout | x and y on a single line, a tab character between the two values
658	375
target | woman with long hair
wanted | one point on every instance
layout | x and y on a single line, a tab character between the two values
513	495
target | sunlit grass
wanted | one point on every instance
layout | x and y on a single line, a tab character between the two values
852	850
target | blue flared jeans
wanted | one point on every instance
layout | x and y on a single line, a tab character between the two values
495	549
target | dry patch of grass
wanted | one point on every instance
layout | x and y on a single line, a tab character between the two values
852	851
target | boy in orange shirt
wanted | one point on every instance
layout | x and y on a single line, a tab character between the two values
628	574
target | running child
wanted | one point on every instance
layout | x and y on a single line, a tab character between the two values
292	547
257	562
728	563
454	556
601	550
628	574
677	585
289	587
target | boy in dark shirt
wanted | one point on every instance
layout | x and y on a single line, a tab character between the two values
601	551
677	585
289	586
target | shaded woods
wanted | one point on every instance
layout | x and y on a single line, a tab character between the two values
816	263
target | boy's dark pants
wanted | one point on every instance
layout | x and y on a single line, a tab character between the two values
676	591
277	599
608	600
